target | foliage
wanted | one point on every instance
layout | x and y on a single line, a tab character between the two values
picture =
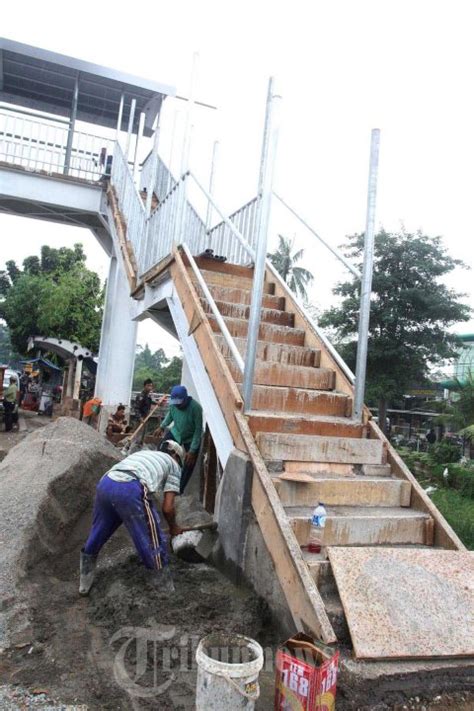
459	476
445	451
458	510
463	405
284	262
55	295
7	353
164	372
411	312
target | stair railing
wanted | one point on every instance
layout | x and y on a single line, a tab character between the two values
213	306
130	201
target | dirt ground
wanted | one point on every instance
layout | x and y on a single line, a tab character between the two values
127	646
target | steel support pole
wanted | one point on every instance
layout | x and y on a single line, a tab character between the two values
269	147
366	284
141	125
212	175
72	124
154	169
119	117
131	119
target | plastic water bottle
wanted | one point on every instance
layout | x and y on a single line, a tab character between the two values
316	531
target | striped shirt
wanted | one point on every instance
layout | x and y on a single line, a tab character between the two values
158	471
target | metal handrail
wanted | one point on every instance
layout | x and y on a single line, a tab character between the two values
332	249
217	314
225	219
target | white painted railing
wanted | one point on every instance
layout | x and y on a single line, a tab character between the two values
223	241
164	180
40	144
130	202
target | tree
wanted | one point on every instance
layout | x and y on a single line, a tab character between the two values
411	312
164	373
7	354
284	262
54	295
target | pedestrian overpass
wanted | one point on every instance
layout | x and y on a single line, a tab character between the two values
396	576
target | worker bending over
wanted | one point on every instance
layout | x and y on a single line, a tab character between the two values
184	418
122	496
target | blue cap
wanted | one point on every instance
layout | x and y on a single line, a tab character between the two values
178	395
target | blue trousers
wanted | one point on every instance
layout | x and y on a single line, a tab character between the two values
119	502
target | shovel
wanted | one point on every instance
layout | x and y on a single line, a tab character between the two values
195	543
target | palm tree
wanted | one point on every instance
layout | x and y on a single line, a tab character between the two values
284	262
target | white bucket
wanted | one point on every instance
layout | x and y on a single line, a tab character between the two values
228	669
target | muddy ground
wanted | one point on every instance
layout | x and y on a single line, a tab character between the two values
128	646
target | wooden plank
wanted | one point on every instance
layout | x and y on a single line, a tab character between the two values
226	390
212	265
124	244
302	595
303	424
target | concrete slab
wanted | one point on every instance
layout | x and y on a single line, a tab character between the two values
359	491
314	448
410	604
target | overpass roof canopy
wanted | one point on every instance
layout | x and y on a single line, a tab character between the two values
39	79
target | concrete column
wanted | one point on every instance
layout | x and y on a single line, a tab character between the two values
117	342
77	379
70	378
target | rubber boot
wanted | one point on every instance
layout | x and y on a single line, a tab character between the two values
87	572
163	581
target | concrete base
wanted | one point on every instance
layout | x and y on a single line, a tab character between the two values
242	554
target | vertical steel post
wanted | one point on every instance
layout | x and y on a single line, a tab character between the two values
154	168
181	221
131	119
265	138
170	161
119	117
72	124
366	284
269	147
141	125
211	183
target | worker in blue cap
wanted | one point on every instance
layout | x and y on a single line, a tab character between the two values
184	419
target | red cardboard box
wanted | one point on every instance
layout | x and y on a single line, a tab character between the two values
306	675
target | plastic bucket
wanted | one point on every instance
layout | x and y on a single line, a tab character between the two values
228	669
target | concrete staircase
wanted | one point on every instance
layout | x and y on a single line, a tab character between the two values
302	425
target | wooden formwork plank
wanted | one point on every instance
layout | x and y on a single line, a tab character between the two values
302	595
125	246
226	390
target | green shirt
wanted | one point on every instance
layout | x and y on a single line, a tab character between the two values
187	424
10	393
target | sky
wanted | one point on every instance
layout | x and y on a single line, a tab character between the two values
342	68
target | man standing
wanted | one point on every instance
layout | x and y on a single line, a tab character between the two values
9	403
185	418
144	400
123	497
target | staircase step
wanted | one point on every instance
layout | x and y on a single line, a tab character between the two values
239	295
359	491
320	570
313	448
295	376
267	331
276	352
227	268
233	310
363	526
290	422
335	470
316	402
232	280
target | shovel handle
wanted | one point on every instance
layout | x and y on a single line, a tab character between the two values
202	527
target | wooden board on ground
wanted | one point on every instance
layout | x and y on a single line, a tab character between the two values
406	603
